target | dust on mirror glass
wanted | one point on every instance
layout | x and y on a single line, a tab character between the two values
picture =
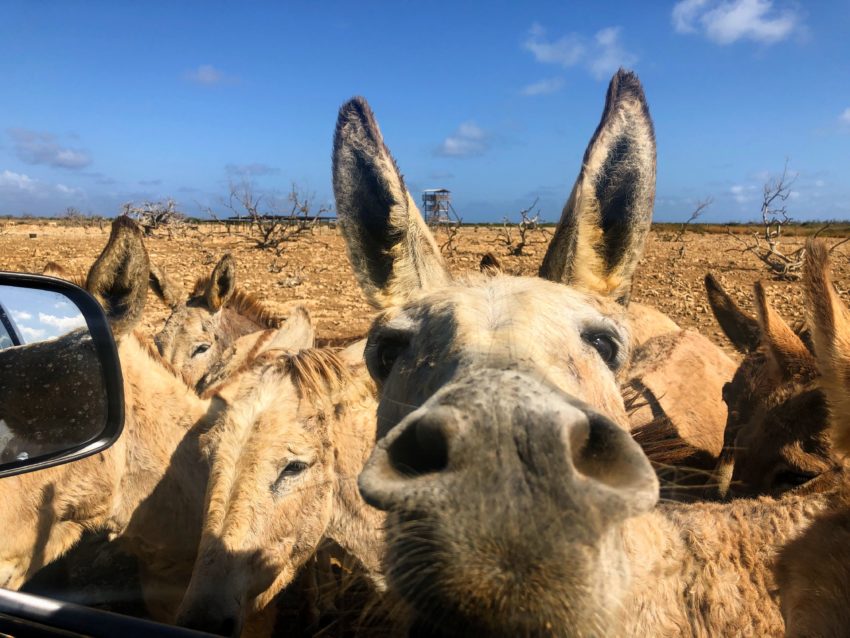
52	395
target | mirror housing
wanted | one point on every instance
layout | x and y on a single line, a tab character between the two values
69	362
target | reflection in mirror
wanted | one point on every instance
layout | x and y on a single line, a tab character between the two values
52	394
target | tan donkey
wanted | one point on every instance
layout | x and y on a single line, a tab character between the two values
518	504
219	327
813	571
148	488
52	508
199	332
284	458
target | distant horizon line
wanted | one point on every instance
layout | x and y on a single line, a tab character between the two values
485	222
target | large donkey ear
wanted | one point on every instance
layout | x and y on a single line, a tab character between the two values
600	237
829	321
740	328
221	284
390	247
784	345
164	286
118	278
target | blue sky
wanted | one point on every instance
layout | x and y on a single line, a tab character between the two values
40	314
108	102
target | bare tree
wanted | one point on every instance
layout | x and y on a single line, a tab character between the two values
679	237
528	223
152	216
272	221
766	244
72	216
449	227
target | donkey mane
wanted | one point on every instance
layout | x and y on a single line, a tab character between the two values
151	350
243	303
318	374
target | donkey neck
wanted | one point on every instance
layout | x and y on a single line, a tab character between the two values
356	526
703	569
162	416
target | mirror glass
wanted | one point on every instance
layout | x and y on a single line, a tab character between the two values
52	391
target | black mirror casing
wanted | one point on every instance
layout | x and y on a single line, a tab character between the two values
107	356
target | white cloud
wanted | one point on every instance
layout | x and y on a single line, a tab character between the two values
21	315
543	87
743	193
20	193
34	147
820	183
20	184
251	170
566	51
208	75
725	22
63	323
608	54
601	56
844	118
17	181
69	190
31	334
685	14
468	140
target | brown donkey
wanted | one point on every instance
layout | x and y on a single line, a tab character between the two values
813	571
518	505
284	458
218	312
776	432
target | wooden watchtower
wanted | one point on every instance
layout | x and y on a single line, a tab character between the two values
436	204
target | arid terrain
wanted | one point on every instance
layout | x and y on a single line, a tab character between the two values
313	268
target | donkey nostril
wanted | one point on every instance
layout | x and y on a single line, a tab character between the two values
422	448
605	452
228	627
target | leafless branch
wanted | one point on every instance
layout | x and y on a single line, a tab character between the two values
695	215
528	223
152	216
273	222
766	244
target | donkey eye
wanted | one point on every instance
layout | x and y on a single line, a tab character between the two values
605	346
292	469
387	353
788	479
200	349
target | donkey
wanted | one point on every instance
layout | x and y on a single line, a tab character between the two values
518	503
148	488
207	344
283	464
218	312
776	431
813	571
51	508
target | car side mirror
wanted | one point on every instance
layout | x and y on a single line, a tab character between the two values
61	390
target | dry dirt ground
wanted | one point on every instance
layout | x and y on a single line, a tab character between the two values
314	269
